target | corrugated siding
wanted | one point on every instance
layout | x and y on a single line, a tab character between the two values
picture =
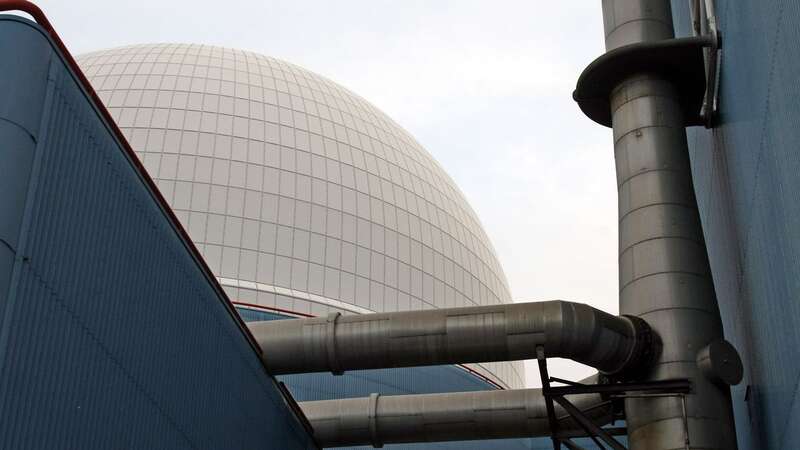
746	176
111	335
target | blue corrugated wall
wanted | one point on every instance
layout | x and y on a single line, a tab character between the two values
747	179
111	334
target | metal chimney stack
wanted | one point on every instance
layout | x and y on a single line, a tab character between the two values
664	273
648	87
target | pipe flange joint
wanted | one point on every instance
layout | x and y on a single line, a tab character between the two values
330	343
374	437
645	350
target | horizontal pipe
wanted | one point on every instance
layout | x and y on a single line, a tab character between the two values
459	416
454	336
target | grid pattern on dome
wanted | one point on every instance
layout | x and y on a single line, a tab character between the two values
289	183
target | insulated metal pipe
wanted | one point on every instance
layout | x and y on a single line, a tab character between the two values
455	336
460	416
663	266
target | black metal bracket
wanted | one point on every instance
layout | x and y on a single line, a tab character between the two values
704	23
680	61
692	64
551	411
612	391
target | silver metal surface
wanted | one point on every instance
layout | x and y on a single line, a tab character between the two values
391	419
630	21
301	195
664	273
452	336
720	362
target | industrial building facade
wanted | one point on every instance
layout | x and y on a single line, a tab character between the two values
301	196
304	200
91	354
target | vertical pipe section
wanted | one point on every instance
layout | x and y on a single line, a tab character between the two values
663	266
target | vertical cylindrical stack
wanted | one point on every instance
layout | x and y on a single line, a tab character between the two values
664	272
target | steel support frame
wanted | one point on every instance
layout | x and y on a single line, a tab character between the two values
557	394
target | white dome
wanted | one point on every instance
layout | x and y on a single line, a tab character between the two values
301	195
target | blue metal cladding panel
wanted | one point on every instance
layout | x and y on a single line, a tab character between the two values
747	178
111	334
408	380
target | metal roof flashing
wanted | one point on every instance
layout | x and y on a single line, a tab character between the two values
679	60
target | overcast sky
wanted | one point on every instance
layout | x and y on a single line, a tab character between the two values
484	86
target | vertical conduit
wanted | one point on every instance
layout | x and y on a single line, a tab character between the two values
664	272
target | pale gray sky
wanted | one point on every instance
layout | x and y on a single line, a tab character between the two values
484	86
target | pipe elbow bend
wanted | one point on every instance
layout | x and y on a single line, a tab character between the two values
621	347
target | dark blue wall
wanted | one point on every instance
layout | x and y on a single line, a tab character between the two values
747	179
111	334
